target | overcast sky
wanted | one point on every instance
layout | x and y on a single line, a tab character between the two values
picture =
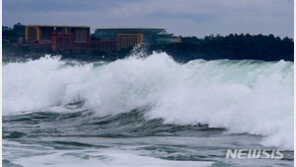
181	17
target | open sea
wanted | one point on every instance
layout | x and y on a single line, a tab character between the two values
145	112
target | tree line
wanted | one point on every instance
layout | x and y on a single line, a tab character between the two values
233	46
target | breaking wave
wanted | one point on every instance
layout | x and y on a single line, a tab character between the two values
244	96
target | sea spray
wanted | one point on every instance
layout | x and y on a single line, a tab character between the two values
244	96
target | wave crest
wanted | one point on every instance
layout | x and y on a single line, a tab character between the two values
243	96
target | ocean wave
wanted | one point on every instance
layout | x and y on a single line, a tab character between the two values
244	96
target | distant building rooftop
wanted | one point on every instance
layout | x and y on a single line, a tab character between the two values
58	26
130	28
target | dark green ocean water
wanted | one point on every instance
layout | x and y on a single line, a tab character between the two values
145	112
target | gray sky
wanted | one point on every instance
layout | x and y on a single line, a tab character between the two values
181	17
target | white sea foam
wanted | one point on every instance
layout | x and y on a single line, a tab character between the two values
242	96
105	158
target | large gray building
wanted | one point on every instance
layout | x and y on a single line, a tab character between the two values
150	35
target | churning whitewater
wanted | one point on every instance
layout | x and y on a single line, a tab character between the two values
235	98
